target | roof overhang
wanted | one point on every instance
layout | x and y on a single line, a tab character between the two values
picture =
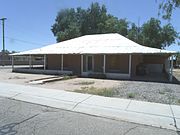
96	44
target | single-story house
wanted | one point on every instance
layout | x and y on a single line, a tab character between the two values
5	59
108	55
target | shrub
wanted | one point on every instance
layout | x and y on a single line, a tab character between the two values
131	95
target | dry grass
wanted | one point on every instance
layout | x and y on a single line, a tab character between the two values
85	83
16	77
107	92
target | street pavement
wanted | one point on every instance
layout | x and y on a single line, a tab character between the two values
152	114
22	118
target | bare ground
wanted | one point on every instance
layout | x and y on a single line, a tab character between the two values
147	91
176	73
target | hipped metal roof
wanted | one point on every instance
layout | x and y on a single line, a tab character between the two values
96	44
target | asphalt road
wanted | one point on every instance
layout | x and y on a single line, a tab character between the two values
20	118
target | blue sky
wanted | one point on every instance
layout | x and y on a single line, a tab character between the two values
29	22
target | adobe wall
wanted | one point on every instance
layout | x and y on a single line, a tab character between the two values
70	63
53	62
117	63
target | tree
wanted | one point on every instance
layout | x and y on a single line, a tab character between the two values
133	33
123	27
71	23
151	32
110	25
115	25
156	36
95	15
166	8
169	35
66	25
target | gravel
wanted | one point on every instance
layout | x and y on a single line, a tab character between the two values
149	91
145	91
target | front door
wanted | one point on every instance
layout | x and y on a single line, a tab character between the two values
90	63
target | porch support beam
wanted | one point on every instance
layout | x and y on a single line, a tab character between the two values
30	61
129	64
62	62
44	61
12	62
81	64
171	69
104	64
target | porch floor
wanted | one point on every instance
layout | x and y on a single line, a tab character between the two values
146	78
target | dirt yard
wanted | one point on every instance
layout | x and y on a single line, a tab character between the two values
176	73
138	90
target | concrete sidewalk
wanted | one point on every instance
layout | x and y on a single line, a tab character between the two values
154	114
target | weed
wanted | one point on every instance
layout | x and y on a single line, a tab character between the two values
179	101
107	92
161	92
131	95
66	77
171	99
167	90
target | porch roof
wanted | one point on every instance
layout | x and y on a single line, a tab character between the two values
96	44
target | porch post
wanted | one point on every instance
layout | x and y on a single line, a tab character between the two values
171	69
81	64
30	61
104	64
129	65
12	62
62	61
44	61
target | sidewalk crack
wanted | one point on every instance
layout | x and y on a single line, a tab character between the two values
128	105
15	95
81	102
175	124
129	130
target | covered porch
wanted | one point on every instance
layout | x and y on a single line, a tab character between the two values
42	68
114	66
